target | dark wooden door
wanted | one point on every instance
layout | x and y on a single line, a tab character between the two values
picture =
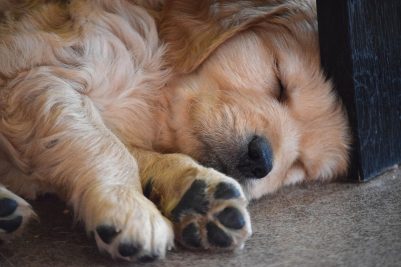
361	51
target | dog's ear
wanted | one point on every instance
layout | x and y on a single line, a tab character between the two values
194	29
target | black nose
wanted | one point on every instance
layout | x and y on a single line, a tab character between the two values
259	160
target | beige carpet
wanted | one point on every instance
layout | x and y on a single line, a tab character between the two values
337	224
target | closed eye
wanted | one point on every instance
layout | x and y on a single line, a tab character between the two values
282	96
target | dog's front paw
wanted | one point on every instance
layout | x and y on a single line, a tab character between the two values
128	226
14	213
212	214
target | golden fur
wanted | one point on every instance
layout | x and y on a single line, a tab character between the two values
96	95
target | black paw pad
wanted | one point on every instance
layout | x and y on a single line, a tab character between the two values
148	258
106	233
11	225
231	218
191	236
7	206
147	190
226	191
128	250
217	236
193	199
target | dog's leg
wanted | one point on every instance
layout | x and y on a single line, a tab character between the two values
60	134
207	208
15	213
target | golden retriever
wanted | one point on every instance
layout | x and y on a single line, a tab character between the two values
160	119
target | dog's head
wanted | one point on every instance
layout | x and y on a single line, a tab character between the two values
250	99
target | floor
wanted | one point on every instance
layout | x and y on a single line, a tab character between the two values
336	224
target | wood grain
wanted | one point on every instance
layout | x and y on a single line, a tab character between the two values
361	51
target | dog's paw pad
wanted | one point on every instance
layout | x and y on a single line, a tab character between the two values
216	236
128	250
15	213
130	228
7	206
115	243
191	236
232	218
11	225
106	233
212	215
148	258
226	191
124	249
194	200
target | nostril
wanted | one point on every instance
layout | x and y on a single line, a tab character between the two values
260	159
253	148
259	149
259	172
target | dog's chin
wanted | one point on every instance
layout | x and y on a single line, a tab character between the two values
256	187
229	168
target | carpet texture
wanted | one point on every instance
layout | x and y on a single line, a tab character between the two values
334	224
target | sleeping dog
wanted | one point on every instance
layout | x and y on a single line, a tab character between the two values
159	120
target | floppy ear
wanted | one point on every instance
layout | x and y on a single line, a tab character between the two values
194	29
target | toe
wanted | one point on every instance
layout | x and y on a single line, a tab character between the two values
7	206
226	191
216	236
149	258
191	236
231	218
106	233
194	199
11	225
128	250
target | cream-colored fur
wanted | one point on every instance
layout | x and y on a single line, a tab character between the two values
93	95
